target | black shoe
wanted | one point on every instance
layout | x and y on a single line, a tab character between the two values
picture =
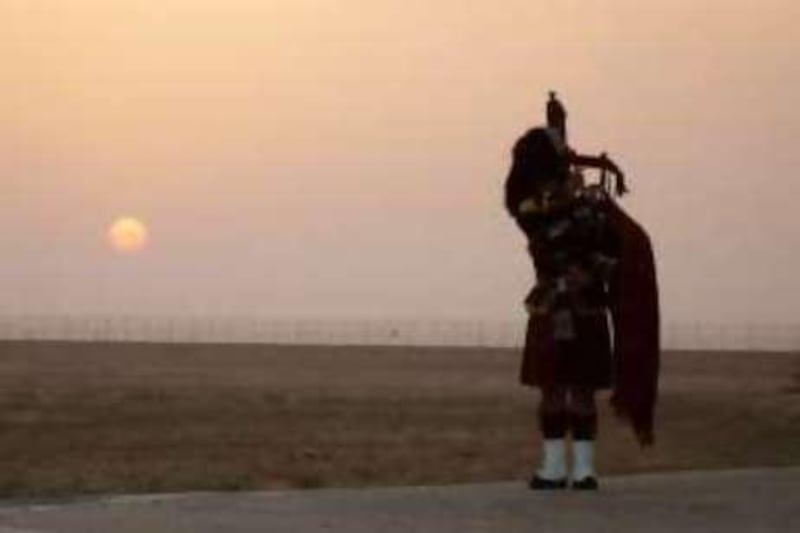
539	483
587	483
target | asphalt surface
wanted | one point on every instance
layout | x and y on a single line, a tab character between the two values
734	501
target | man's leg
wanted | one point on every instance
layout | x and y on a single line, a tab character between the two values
583	426
553	422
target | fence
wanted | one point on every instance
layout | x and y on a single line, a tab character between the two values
429	332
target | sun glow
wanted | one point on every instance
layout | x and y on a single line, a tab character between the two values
127	235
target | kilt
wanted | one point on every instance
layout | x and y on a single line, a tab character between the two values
584	361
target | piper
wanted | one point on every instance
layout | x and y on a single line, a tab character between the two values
594	265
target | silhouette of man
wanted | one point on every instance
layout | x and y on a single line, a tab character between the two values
592	262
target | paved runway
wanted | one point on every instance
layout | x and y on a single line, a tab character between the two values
736	501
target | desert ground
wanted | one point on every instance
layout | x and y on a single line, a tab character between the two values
86	418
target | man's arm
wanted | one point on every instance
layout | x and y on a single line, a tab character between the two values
602	162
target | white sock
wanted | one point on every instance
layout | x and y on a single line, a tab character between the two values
554	461
583	459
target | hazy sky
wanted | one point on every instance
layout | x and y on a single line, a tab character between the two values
346	157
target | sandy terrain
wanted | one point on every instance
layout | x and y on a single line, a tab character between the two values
87	418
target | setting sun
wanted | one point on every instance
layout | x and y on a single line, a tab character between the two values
127	235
